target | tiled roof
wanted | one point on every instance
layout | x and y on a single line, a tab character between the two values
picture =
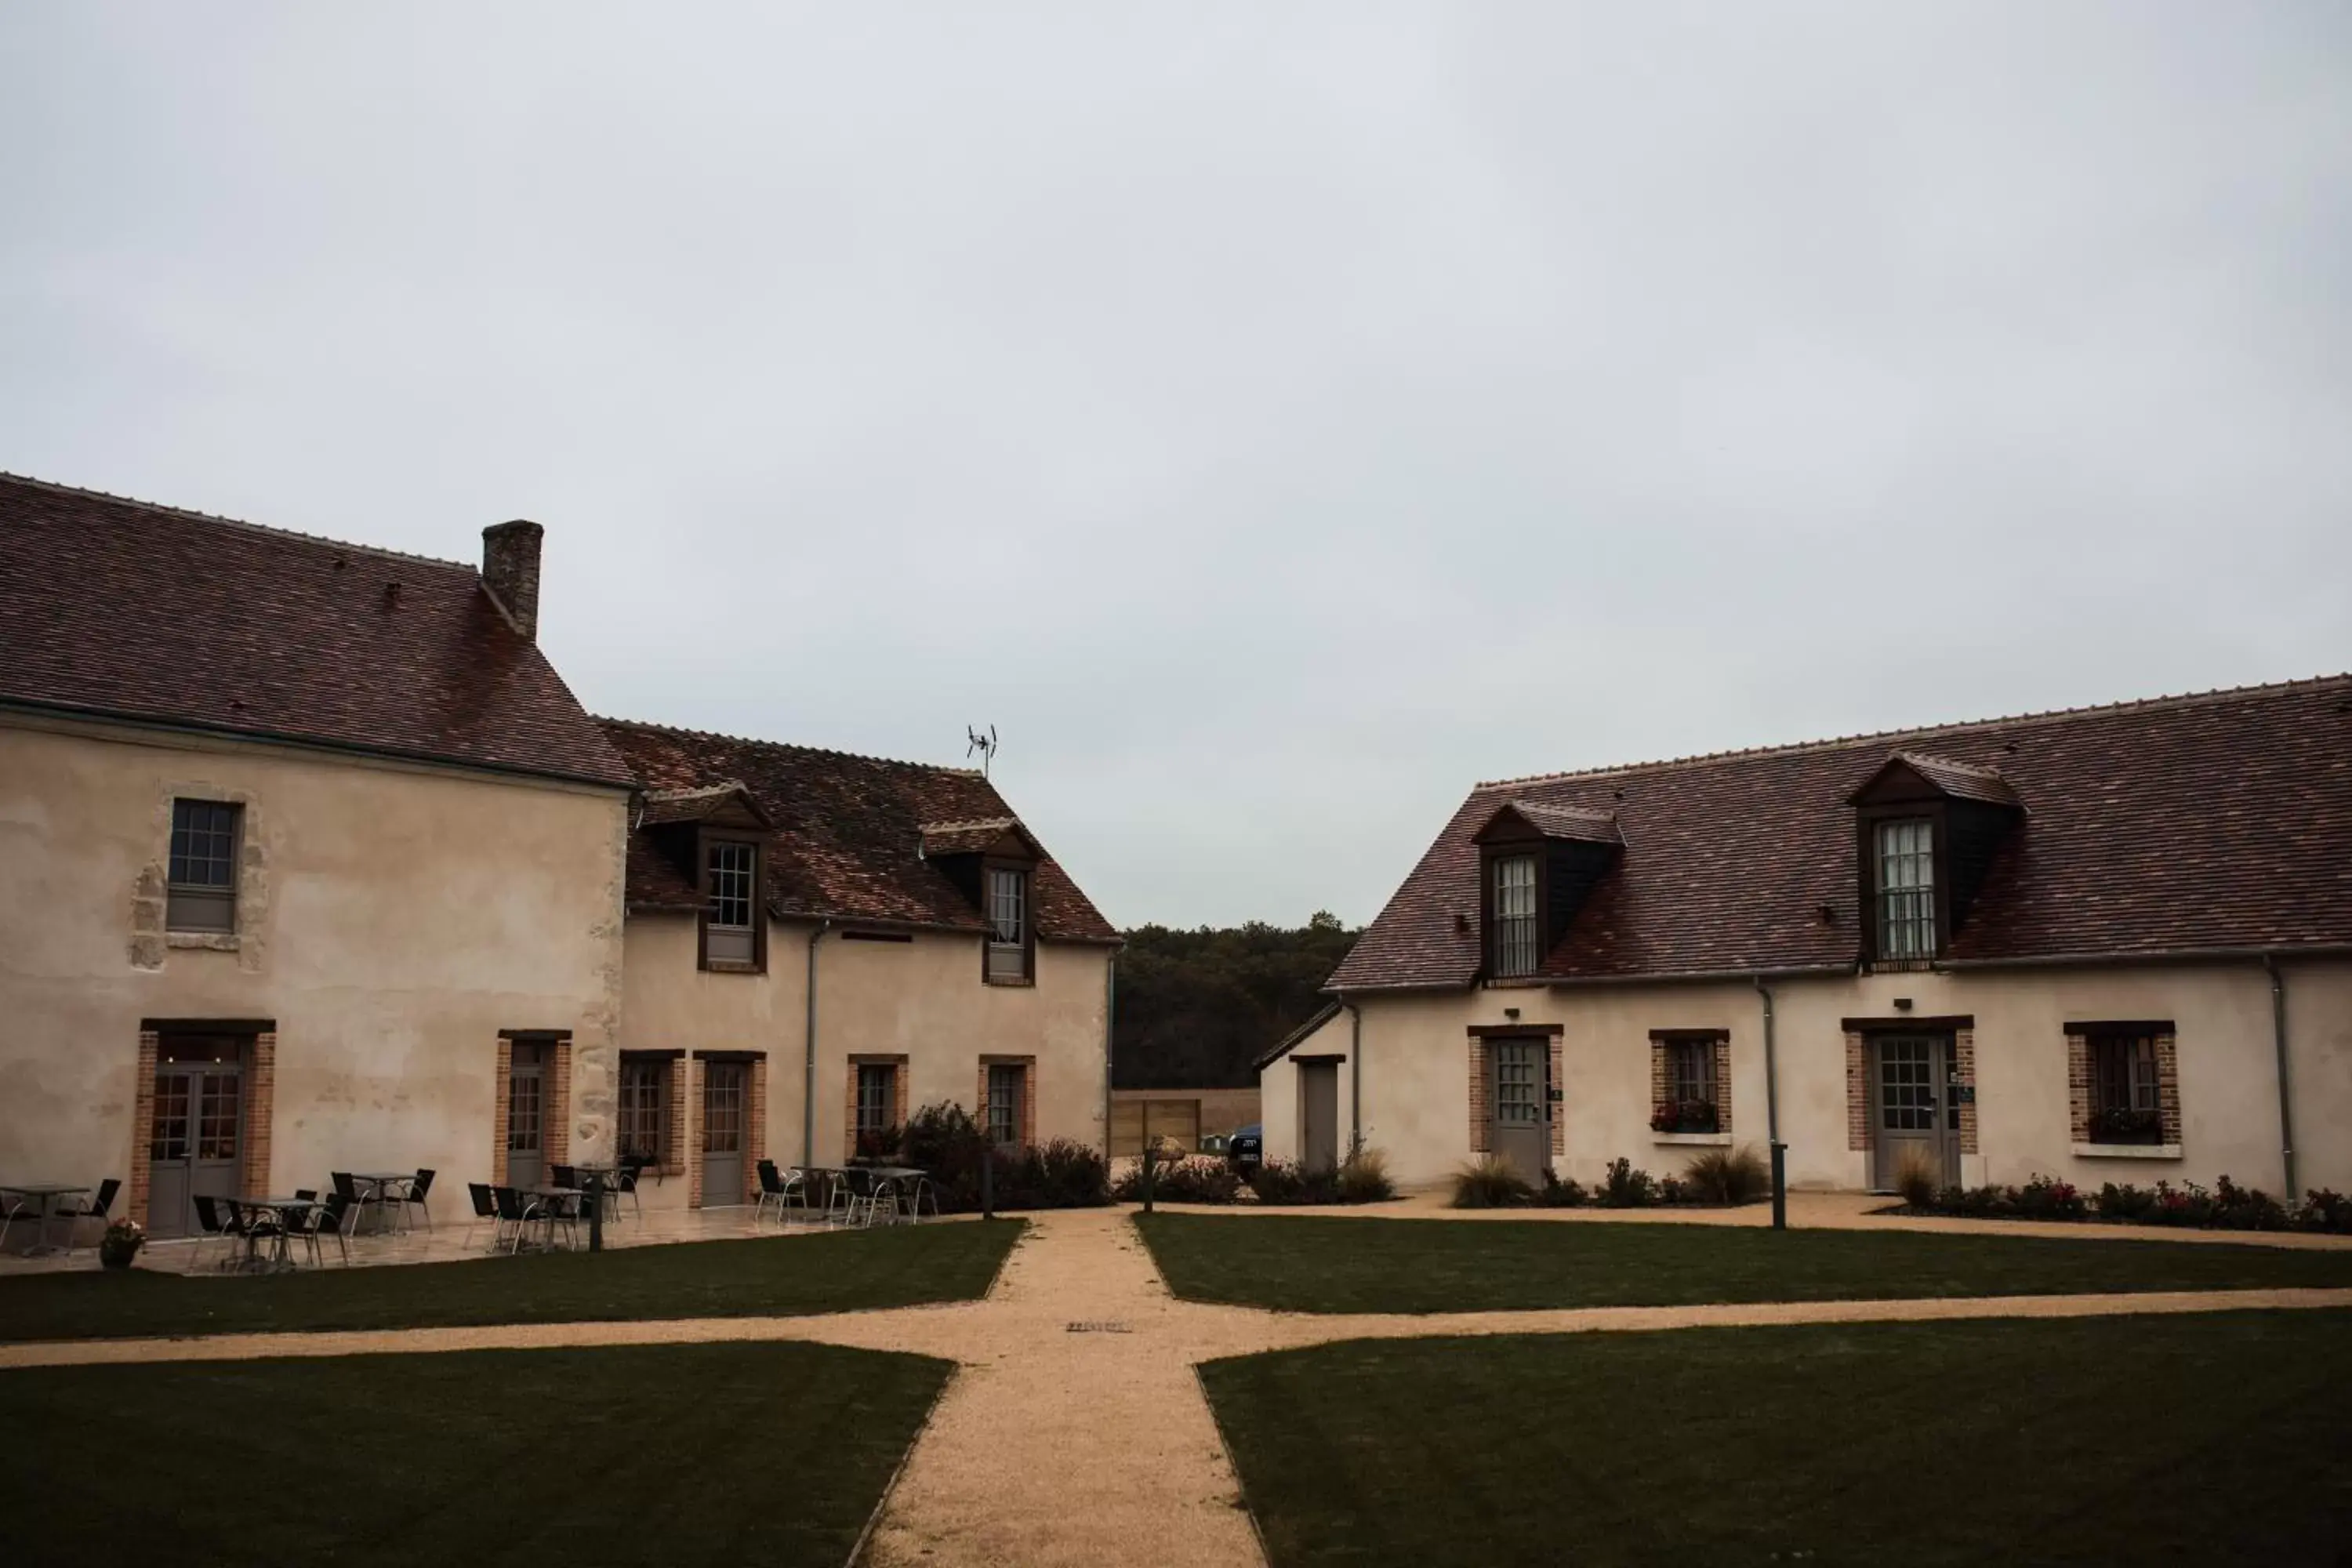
129	610
966	838
1567	821
1957	779
663	806
848	833
2217	821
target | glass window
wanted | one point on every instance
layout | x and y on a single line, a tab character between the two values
1004	1087
202	893
2126	1097
1690	1071
644	1110
1008	923
733	876
1906	889
877	1099
1515	915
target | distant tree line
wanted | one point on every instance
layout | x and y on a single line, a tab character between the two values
1196	1007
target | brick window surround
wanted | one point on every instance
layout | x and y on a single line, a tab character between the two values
2079	1040
1858	1031
1481	1130
1661	1078
258	1085
898	1066
1028	1066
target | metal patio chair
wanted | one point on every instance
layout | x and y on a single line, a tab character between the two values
95	1209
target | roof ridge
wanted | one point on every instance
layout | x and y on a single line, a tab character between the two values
269	529
781	745
2176	700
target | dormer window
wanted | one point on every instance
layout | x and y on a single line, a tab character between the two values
731	908
1928	831
1537	864
1517	947
1009	947
1906	888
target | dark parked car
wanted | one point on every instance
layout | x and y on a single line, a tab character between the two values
1248	1145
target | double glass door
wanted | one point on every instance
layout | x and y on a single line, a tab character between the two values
196	1135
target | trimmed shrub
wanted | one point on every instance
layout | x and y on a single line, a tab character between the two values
1557	1193
2047	1197
1490	1182
1625	1187
1364	1177
2324	1208
1729	1176
1916	1177
1194	1181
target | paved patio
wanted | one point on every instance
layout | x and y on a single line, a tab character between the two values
447	1242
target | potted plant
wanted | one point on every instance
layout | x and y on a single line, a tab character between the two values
121	1244
1684	1116
2116	1124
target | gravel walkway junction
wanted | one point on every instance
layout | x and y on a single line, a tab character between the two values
1075	1431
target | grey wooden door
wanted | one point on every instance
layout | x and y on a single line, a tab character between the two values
195	1140
1518	1105
1319	1111
527	1116
722	1133
1911	1107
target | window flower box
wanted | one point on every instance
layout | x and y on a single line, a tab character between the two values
1686	1116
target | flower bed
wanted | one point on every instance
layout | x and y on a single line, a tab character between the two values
2225	1206
1718	1179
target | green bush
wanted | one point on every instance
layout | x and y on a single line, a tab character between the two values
1625	1187
1490	1182
1201	1181
1557	1193
1364	1177
944	1142
1729	1176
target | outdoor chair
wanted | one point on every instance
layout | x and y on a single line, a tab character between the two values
301	1229
215	1224
309	1193
919	1188
333	1220
416	1191
855	1189
10	1208
348	1185
779	1189
486	1207
95	1209
514	1212
624	1183
564	1210
564	1175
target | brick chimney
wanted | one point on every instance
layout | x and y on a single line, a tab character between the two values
510	566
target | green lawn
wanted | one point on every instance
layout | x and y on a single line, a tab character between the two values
896	1266
751	1453
2222	1439
1310	1265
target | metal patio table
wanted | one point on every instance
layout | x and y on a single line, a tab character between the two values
377	1192
281	1210
48	1193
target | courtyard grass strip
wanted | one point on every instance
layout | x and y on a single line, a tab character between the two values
898	1265
2211	1440
1314	1265
771	1453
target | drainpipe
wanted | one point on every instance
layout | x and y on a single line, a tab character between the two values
1111	1015
1772	1115
808	1075
1355	1074
2278	1040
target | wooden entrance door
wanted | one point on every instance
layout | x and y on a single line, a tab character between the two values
1518	1105
527	1115
722	1133
1911	1108
1318	1111
196	1135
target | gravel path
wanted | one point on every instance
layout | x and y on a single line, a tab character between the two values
1074	1431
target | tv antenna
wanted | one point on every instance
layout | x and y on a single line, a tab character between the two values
984	745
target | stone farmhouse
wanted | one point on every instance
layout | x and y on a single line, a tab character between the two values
309	860
2109	944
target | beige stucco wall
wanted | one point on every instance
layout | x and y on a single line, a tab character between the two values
923	999
1279	1089
1416	1074
393	919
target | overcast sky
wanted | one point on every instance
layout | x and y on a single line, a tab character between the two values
1275	418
